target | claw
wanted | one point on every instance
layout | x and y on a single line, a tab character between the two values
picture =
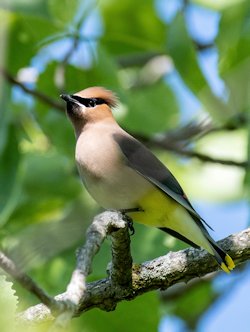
131	227
128	219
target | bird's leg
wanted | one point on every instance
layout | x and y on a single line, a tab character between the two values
130	223
128	219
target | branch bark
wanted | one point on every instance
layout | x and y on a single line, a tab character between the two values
160	273
103	225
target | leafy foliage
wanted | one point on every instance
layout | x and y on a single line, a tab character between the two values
70	45
8	302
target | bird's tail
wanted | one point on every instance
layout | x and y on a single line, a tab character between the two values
224	260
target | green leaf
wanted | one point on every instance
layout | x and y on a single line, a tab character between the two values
8	305
48	186
234	54
138	314
233	39
47	240
54	123
132	26
63	11
9	186
151	110
37	7
5	116
218	5
25	33
103	72
181	49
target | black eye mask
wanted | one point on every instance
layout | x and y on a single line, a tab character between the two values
89	102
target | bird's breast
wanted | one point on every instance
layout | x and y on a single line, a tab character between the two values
105	173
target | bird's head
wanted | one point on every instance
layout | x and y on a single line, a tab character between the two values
89	105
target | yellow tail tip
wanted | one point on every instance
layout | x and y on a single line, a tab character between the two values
229	264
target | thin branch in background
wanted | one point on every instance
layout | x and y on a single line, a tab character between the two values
37	94
201	156
9	266
178	139
206	158
202	46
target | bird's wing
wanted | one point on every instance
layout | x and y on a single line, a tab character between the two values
145	163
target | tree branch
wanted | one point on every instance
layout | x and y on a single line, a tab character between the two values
160	273
66	305
177	140
103	224
37	94
205	158
121	268
9	266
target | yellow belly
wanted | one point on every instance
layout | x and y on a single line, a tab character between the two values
159	210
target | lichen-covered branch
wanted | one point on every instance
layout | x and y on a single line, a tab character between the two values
121	268
103	224
160	273
66	305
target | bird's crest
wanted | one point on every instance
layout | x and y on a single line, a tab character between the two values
99	93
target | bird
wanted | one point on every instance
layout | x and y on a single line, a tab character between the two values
122	174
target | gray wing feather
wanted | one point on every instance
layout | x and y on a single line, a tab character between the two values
146	164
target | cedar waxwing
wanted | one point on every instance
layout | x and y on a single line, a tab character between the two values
121	174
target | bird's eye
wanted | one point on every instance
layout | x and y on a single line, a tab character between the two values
92	103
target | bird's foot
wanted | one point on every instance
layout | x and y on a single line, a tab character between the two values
131	227
128	219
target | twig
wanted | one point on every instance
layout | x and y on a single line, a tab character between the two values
206	158
9	266
160	273
39	95
177	140
202	46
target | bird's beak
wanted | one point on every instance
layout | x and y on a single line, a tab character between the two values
67	98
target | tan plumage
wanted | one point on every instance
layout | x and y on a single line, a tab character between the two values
120	173
99	92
